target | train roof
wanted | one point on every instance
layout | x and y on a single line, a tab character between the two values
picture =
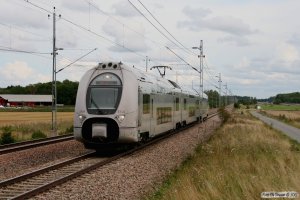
163	85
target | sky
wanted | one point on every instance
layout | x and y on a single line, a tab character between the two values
253	45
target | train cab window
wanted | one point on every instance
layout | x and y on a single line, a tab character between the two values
104	94
146	103
184	104
177	104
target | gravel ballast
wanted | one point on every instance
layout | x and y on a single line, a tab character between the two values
25	161
134	176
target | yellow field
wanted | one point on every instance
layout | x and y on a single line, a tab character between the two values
290	117
289	114
14	118
23	124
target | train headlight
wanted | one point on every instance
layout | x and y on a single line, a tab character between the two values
81	118
120	118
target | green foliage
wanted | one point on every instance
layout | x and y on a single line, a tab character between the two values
287	98
280	107
236	105
68	130
6	137
224	114
38	135
213	98
246	100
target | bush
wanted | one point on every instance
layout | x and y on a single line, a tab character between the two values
236	105
67	131
6	137
38	135
224	114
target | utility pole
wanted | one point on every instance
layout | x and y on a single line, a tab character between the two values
147	60
54	89
220	89
226	97
201	56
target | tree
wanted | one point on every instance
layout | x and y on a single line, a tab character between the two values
213	98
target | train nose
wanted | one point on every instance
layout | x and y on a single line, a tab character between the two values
100	130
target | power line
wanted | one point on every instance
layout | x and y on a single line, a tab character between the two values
101	36
152	23
128	27
164	27
183	60
39	7
23	30
88	30
4	48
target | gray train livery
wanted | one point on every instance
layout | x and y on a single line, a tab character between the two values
118	104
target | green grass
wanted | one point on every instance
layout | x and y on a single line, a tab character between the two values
23	132
281	107
243	159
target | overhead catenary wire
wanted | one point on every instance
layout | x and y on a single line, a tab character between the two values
4	48
164	27
128	27
183	60
88	30
76	60
153	24
25	31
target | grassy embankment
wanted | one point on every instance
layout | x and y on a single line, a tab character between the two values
243	159
289	114
23	124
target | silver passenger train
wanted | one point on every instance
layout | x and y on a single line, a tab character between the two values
117	104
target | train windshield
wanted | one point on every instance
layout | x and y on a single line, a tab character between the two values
104	94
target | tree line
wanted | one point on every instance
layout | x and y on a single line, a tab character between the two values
66	90
287	98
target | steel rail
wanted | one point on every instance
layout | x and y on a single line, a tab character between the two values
8	148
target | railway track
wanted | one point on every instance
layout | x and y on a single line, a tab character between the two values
8	148
31	184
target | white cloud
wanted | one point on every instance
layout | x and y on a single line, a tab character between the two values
19	72
126	39
16	14
124	9
288	52
227	24
79	6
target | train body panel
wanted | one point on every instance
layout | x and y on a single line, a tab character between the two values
119	104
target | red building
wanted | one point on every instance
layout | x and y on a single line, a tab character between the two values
19	100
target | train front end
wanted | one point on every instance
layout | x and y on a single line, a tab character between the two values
106	110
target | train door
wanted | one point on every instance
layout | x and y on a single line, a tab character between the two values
181	108
152	116
145	113
174	112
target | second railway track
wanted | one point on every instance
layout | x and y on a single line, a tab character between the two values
33	143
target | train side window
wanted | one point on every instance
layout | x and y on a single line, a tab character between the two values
184	104
177	104
146	103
